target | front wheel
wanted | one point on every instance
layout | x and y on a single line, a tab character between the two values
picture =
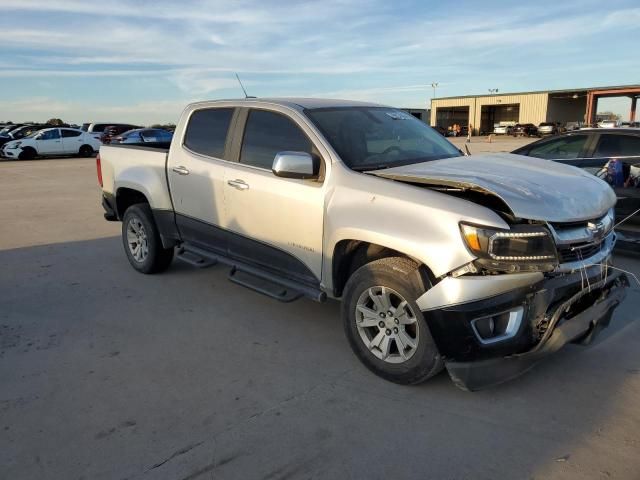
384	326
142	242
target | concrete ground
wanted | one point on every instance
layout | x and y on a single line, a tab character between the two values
109	374
494	143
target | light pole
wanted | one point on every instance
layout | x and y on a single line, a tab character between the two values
434	85
493	91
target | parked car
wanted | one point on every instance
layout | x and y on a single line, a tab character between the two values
112	131
19	132
441	260
550	128
596	150
144	135
608	124
52	142
98	127
525	130
503	129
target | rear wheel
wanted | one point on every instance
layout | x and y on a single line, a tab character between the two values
85	151
384	326
142	242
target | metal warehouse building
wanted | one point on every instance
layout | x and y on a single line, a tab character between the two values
484	111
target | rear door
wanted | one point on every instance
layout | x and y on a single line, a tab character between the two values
49	142
196	172
72	140
275	223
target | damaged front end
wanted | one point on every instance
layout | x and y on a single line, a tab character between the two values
544	281
523	298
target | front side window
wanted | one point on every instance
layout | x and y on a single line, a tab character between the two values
207	131
370	138
568	147
617	146
50	135
268	133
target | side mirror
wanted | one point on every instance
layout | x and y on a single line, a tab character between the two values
295	165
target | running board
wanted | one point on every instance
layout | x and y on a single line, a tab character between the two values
257	279
194	259
263	286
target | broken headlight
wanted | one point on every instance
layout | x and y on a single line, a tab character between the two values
523	248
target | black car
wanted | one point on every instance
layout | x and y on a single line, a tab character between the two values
20	132
612	154
524	130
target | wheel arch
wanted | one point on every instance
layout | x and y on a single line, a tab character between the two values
125	197
351	254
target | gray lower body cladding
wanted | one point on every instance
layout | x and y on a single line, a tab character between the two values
552	312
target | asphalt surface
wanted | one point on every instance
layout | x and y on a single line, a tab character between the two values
109	374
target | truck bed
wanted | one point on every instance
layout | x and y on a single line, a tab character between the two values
137	165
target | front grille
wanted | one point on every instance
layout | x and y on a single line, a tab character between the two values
574	253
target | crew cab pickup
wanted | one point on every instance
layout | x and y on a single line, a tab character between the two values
482	265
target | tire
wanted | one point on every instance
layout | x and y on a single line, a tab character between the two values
86	151
27	154
141	241
402	282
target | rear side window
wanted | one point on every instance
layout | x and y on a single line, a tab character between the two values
618	146
268	133
560	148
207	131
50	135
71	133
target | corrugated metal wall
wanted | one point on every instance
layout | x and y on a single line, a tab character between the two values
533	106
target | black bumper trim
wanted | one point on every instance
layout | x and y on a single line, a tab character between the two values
109	205
584	326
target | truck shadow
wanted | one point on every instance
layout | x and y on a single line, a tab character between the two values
95	357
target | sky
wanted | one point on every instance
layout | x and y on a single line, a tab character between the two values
142	61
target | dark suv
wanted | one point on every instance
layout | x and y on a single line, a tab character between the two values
612	154
525	130
114	130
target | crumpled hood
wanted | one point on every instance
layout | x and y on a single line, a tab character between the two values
532	188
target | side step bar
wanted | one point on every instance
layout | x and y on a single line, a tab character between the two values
194	259
261	281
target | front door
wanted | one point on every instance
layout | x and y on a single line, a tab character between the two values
49	142
274	222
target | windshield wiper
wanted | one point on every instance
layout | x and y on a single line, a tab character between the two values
366	168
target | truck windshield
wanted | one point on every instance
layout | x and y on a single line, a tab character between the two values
370	138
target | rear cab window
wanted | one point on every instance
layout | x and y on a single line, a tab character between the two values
207	131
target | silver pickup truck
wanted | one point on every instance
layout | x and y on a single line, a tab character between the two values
480	264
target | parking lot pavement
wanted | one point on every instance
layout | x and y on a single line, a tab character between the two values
109	374
497	143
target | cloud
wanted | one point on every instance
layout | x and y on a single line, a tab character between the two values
367	49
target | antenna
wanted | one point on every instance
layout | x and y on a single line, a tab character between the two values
242	87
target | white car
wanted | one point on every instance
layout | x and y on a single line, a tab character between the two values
503	129
53	142
609	124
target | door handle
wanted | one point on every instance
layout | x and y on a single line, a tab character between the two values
238	184
181	170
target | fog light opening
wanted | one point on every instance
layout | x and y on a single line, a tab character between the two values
499	327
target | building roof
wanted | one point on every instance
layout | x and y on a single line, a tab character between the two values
570	90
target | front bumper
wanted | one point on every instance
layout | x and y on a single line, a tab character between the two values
557	310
